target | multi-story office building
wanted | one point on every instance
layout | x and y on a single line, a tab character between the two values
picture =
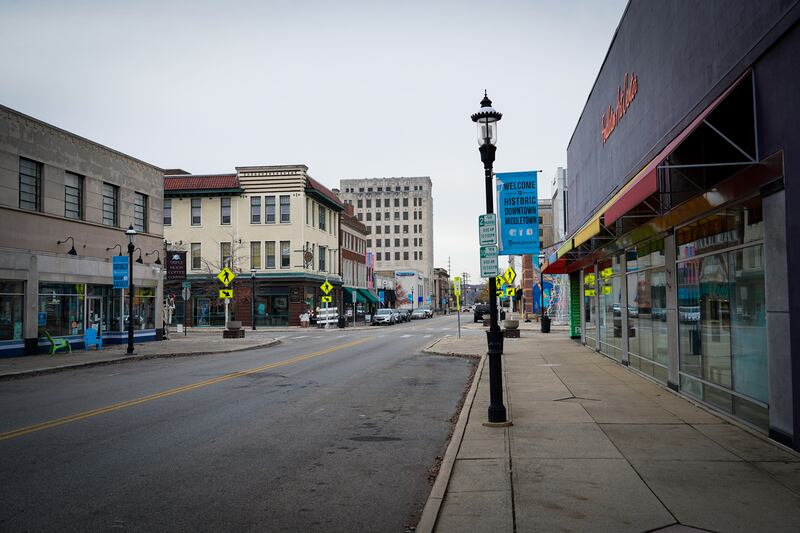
274	226
560	194
355	269
65	203
398	214
681	219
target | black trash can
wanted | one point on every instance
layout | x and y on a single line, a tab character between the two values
545	324
342	322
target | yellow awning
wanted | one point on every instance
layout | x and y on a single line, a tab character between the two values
566	247
589	230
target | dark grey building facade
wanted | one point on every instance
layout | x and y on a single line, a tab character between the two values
684	167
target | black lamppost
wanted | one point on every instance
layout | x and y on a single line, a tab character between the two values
131	233
486	118
253	296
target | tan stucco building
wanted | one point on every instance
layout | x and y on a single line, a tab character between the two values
275	227
65	203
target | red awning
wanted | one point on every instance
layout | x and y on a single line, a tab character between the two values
645	182
559	267
644	186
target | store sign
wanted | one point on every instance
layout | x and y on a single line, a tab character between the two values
120	271
518	211
176	265
625	95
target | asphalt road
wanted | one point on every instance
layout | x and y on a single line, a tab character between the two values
328	431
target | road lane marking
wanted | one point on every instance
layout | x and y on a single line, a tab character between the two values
300	337
171	392
426	336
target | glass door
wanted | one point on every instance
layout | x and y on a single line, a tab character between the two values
95	317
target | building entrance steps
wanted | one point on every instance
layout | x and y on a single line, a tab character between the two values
595	446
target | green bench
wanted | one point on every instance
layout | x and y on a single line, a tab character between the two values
57	343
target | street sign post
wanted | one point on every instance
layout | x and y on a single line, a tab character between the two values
487	229
509	275
327	299
226	276
489	262
226	294
326	287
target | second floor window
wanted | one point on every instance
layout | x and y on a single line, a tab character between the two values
323	254
323	215
269	215
225	254
110	204
167	211
30	185
285	206
225	211
255	210
73	195
285	254
140	212
255	254
196	211
269	253
196	257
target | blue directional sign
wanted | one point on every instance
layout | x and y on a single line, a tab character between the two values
120	271
518	212
410	297
380	296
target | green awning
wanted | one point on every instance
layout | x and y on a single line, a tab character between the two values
368	295
349	291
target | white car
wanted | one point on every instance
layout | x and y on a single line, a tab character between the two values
383	316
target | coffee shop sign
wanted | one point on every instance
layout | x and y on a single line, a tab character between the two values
625	95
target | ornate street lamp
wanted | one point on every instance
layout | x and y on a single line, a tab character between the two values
131	234
486	118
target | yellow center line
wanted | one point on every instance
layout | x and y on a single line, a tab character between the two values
171	392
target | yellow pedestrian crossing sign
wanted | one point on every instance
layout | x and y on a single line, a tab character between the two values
457	286
327	299
498	282
226	293
326	287
509	275
511	291
226	276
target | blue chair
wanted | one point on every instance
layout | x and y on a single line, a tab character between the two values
91	338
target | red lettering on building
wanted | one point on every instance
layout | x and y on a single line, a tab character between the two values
615	112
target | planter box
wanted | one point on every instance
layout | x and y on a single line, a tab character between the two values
511	333
233	334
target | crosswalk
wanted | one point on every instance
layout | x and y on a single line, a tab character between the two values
424	333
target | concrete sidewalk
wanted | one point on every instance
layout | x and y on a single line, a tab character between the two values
178	345
597	447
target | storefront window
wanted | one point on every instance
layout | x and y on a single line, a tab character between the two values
722	315
589	306
11	310
144	308
61	308
609	314
647	308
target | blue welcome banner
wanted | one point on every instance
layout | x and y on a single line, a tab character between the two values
518	213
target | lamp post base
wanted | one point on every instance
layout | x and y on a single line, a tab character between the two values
505	424
497	411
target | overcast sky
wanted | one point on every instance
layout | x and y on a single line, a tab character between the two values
350	89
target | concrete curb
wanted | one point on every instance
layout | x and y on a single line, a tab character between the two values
430	512
123	359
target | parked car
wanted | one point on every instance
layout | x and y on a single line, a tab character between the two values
479	311
428	312
397	317
383	316
405	314
418	313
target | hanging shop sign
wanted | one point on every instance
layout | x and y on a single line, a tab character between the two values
625	95
120	271
176	265
518	212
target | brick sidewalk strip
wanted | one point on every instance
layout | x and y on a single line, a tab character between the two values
595	446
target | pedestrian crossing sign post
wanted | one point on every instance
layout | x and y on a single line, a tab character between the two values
226	293
327	299
326	287
226	276
509	275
